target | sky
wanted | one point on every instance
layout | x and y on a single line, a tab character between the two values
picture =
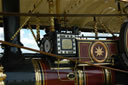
26	39
1	38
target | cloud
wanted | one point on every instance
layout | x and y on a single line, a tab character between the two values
22	33
1	34
28	41
1	37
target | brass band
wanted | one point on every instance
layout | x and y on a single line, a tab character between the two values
42	73
80	77
71	78
108	78
37	72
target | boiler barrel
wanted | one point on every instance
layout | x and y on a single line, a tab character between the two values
22	74
98	76
39	72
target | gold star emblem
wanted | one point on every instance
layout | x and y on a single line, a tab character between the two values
99	51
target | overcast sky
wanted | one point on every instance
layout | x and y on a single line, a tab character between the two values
26	38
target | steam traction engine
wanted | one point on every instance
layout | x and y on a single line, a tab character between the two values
80	64
48	70
65	57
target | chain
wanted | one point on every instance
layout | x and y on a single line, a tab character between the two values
96	30
51	6
38	29
105	27
29	26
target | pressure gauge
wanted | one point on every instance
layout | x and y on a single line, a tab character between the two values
47	46
66	44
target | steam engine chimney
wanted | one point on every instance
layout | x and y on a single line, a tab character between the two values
12	55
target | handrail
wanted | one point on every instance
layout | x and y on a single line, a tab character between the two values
58	15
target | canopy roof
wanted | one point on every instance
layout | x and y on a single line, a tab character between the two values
77	7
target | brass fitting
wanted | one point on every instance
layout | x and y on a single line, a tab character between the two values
51	10
2	76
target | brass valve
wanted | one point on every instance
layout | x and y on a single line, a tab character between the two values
2	76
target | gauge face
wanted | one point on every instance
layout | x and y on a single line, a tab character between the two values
66	44
47	46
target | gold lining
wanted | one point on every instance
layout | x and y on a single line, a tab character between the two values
61	68
110	55
81	80
37	72
95	40
107	77
88	49
62	62
94	64
68	76
42	74
106	50
110	43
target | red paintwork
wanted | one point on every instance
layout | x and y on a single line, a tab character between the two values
85	49
51	76
112	48
113	77
92	76
84	52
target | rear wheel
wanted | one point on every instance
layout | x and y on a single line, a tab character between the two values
123	44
